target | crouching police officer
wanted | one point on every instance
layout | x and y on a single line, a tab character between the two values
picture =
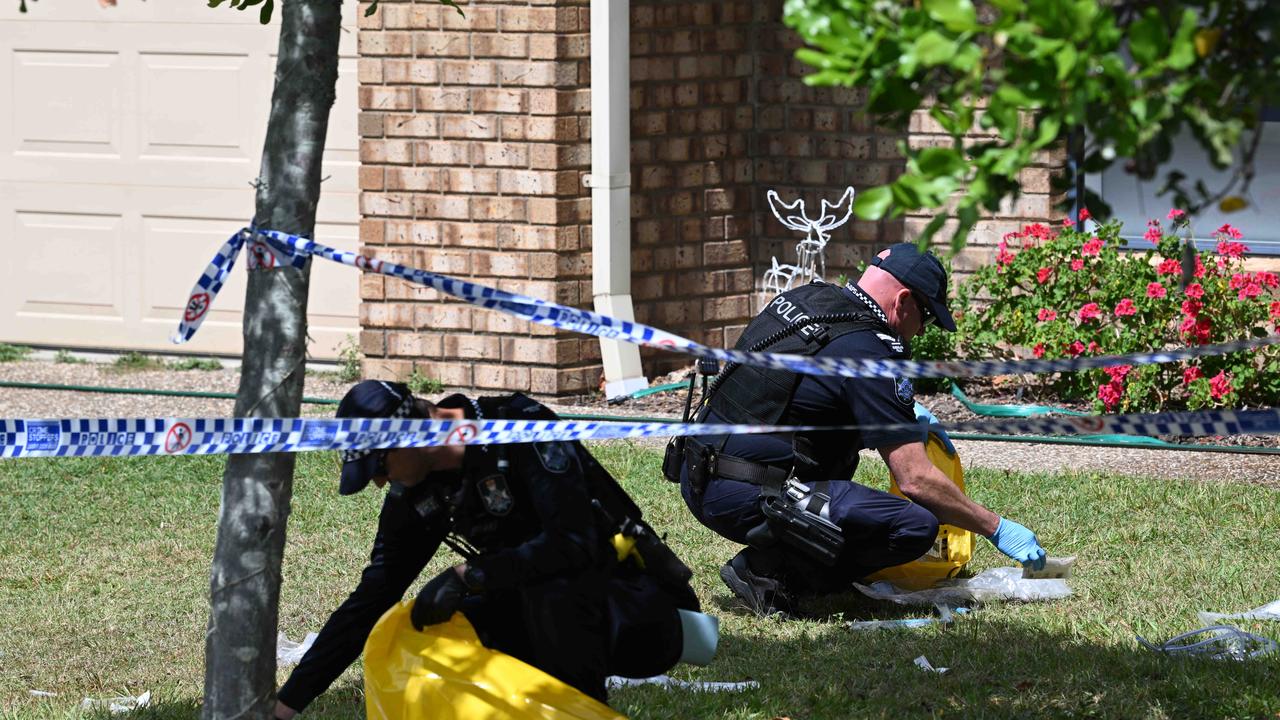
789	498
536	525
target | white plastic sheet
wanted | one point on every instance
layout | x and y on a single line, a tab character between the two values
1002	583
1270	611
614	682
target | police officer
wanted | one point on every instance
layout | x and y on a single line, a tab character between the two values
788	498
540	580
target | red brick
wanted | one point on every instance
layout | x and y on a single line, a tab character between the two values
413	344
397	71
503	46
474	127
416	125
503	377
499	208
472	346
499	100
443	208
441	44
470	180
413	178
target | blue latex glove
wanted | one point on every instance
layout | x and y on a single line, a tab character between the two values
1019	543
931	425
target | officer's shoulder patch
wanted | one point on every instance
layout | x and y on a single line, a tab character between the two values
495	494
903	391
894	343
554	456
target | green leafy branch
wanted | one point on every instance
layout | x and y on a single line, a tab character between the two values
1007	80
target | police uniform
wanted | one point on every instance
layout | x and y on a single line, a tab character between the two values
725	478
552	591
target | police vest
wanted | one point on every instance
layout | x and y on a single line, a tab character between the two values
798	322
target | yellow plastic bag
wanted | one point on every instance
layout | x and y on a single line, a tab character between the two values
952	549
444	673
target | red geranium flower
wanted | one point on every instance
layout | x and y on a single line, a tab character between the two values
1125	307
1220	385
1047	315
1156	290
1043	274
1090	311
1190	374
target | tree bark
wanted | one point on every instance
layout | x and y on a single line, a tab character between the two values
244	586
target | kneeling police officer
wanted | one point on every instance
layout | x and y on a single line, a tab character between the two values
535	523
789	498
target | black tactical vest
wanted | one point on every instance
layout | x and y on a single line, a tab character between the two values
798	322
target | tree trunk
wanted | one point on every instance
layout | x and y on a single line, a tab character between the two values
244	586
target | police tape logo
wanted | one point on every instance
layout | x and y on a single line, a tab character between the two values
178	438
319	433
44	435
495	494
461	435
197	306
903	390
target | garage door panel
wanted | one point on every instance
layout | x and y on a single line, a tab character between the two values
192	106
66	103
70	266
126	159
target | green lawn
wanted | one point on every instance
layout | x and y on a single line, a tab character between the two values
104	579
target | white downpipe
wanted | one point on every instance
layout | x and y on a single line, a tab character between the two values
610	183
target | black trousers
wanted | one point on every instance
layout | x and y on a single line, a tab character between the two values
583	629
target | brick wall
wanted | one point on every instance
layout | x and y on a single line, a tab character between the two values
475	136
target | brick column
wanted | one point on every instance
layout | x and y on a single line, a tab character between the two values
473	142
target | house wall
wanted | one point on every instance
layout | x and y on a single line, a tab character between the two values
475	136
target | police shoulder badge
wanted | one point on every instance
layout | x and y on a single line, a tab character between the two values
554	456
495	494
903	390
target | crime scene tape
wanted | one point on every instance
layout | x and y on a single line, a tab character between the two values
220	436
281	248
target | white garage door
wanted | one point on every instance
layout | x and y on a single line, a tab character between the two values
128	139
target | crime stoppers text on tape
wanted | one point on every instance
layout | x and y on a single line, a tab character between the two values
273	249
217	436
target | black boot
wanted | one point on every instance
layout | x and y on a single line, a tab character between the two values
764	595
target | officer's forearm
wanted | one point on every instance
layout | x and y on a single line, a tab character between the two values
927	486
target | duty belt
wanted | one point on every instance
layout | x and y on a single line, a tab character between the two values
730	467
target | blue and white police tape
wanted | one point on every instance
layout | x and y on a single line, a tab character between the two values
218	436
295	249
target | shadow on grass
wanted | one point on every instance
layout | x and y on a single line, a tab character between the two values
344	701
998	667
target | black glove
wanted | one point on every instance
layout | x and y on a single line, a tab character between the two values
438	600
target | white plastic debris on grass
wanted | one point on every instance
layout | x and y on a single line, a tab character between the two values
42	693
946	614
614	682
1270	611
923	663
117	705
1002	583
289	652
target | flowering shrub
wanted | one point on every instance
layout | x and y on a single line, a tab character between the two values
1057	293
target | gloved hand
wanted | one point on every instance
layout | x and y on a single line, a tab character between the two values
931	424
438	600
1019	543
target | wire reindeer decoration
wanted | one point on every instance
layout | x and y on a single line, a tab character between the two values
811	259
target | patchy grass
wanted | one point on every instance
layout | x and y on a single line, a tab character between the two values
420	384
195	363
13	353
135	361
105	580
66	357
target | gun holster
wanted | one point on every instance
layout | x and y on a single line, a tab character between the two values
793	517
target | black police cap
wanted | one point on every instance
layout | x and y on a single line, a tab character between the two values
369	399
923	273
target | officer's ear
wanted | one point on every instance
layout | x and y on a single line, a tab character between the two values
423	409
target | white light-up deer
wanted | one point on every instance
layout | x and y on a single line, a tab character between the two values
811	260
